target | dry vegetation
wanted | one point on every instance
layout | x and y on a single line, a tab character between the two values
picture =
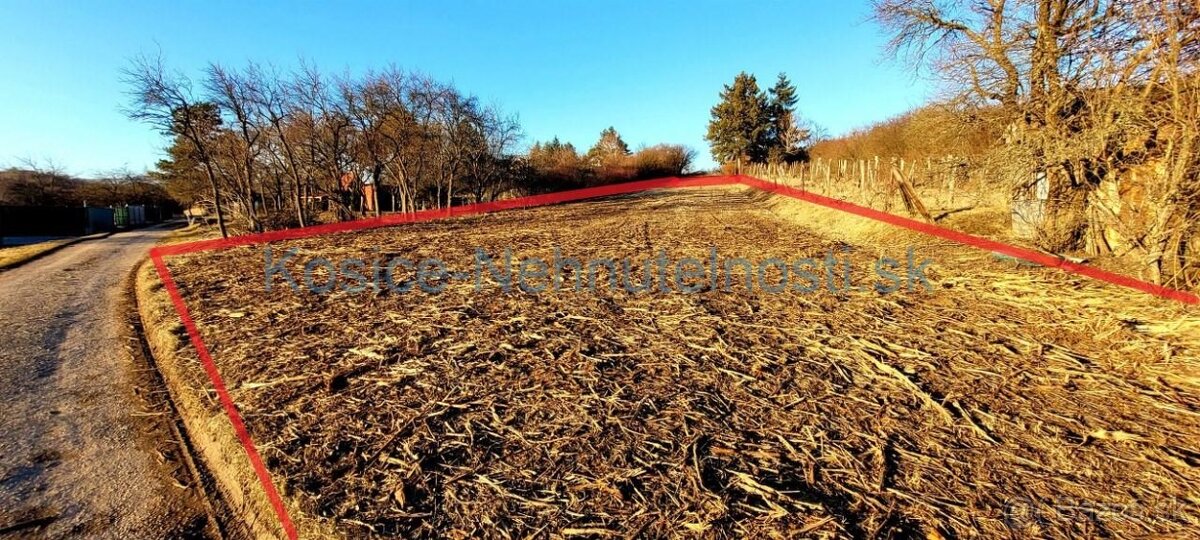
17	255
1088	106
1009	402
13	256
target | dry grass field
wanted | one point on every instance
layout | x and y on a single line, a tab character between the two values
1007	401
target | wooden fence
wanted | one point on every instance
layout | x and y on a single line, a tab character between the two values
943	184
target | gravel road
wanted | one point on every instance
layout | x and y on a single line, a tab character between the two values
81	456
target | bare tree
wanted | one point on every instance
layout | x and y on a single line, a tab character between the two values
166	102
235	94
278	109
260	138
326	128
488	154
1083	87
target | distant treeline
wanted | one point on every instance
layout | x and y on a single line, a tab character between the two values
33	187
557	165
269	149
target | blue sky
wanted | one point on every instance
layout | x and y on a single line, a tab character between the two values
567	68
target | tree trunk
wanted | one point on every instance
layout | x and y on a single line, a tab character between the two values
298	199
216	191
376	173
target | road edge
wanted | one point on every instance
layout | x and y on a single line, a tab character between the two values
241	508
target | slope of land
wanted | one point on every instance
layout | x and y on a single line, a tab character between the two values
1004	400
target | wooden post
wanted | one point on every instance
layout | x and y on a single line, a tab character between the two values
841	174
862	179
912	203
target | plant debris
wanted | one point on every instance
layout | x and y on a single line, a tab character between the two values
1004	403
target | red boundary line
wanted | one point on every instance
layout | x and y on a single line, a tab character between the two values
157	254
454	211
231	410
1015	252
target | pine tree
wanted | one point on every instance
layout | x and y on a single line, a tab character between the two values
182	175
557	163
783	96
610	145
787	137
740	128
609	158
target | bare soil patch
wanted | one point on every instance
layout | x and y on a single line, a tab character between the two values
1008	401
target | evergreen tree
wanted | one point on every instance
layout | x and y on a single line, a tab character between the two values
610	147
740	128
787	137
183	176
783	96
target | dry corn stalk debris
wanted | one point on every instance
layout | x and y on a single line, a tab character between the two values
1010	402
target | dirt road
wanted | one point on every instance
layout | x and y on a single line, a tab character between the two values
80	454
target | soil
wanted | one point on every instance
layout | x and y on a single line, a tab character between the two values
1002	401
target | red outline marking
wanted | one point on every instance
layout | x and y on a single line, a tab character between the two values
159	252
455	211
231	410
1035	257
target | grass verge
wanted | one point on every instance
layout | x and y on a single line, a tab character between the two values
206	425
12	257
